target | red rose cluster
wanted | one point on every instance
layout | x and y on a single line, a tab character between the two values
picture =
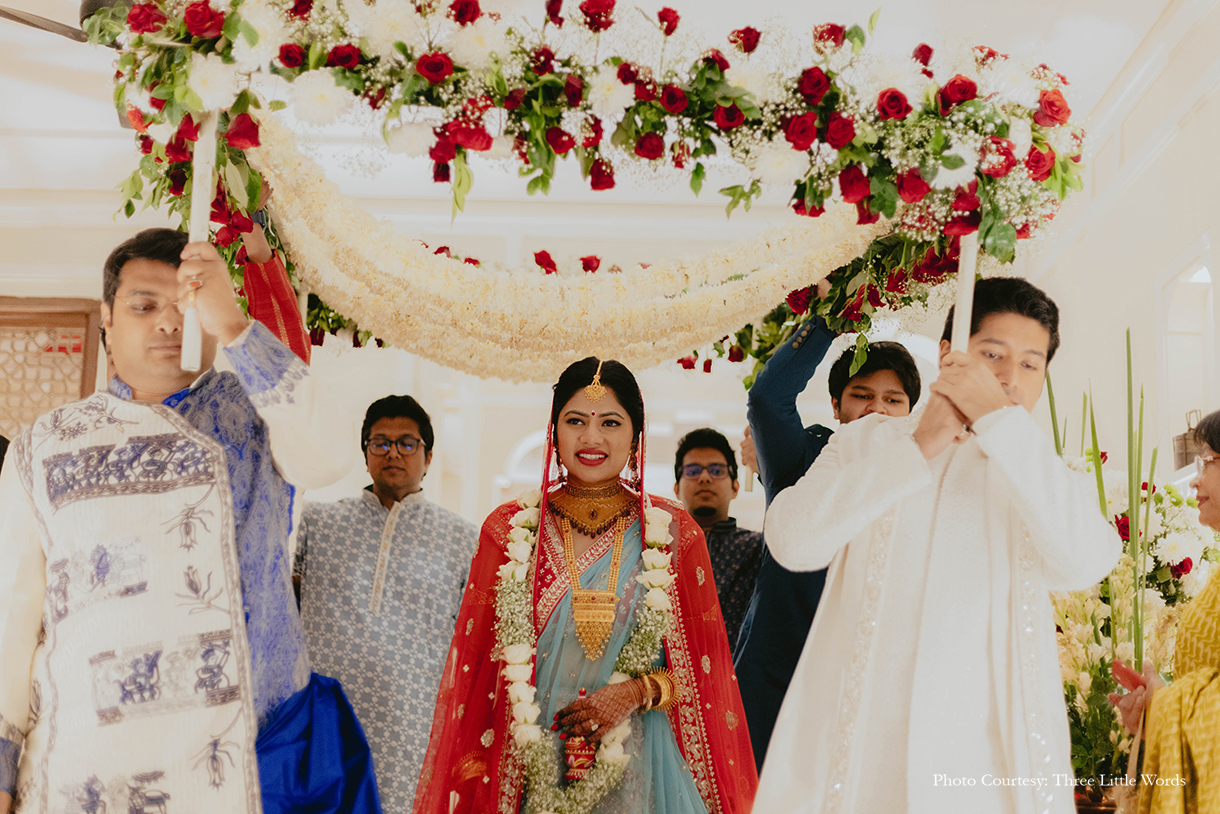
598	14
145	18
203	21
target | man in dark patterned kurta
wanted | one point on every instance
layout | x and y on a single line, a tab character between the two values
705	474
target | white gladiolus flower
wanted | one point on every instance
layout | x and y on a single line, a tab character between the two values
655	559
518	672
519	552
527	518
412	138
472	45
777	163
386	23
518	654
1126	651
526	733
655	579
607	96
657	600
960	177
756	80
214	82
317	99
533	498
526	712
1021	135
520	691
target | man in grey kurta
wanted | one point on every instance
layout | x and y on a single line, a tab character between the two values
381	582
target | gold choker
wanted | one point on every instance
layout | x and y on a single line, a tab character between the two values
591	510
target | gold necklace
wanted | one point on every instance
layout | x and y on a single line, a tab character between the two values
591	509
594	611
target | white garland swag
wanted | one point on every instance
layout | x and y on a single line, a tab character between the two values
522	325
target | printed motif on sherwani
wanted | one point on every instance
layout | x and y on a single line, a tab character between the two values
381	589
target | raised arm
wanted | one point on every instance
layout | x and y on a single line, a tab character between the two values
783	446
23	583
867	467
1059	506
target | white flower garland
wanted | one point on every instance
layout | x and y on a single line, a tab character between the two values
517	641
520	325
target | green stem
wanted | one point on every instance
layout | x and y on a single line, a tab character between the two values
1050	397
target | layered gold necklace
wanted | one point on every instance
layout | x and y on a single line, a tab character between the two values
591	509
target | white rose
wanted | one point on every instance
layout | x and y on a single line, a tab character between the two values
519	552
655	579
777	163
518	672
526	712
619	734
618	678
414	139
657	600
520	691
514	570
1022	138
533	498
517	534
518	654
318	99
611	753
656	524
526	733
527	518
654	559
502	147
214	81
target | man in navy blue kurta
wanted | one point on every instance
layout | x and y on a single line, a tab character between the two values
784	602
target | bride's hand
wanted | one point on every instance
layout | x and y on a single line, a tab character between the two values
592	716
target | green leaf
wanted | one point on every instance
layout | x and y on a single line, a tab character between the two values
872	21
236	184
129	208
240	105
885	196
735	195
462	181
1001	242
856	35
696	178
192	101
248	33
952	162
232	28
277	104
861	355
317	56
254	188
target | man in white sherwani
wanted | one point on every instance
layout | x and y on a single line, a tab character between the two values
930	678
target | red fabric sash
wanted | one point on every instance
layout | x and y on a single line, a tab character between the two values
470	766
273	302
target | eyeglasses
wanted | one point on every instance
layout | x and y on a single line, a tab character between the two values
1201	462
142	305
407	445
717	471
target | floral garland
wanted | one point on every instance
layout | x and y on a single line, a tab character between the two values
516	640
941	148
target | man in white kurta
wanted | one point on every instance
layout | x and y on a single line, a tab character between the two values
930	681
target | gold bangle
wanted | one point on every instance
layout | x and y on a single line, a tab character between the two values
647	691
671	692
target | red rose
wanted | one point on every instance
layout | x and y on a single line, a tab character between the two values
669	20
241	222
343	56
800	209
543	61
242	132
159	104
728	117
544	261
187	129
471	136
997	159
292	55
1182	569
1124	527
594	136
145	18
650	146
514	98
813	85
687	362
1025	232
627	73
713	56
839	131
440	173
746	39
553	8
560	140
465	12
799	300
967	199
590	263
434	67
1040	164
673	99
681	152
220	206
896	283
933	267
444	150
854	184
892	104
829	35
957	90
301	8
911	186
177	182
177	150
203	21
225	236
1052	109
146	144
802	131
736	354
601	176
707	365
964	224
865	215
922	54
597	14
574	89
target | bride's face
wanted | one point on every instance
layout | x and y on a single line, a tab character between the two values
594	438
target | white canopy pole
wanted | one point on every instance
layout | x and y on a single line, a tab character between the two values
203	169
967	262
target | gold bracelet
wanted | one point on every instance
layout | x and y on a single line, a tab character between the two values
647	691
671	692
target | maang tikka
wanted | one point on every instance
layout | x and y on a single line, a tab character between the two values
595	391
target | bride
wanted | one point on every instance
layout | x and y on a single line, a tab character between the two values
589	669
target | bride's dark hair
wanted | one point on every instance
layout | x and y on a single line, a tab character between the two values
615	376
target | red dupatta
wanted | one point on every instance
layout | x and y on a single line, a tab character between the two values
471	765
